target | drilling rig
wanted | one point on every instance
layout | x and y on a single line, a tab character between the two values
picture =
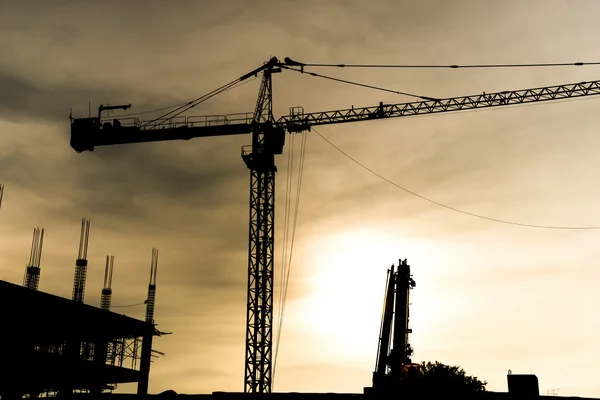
394	364
267	140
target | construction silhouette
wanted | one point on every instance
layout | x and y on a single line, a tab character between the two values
394	350
267	141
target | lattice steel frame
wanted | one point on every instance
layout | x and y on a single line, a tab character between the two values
301	121
259	314
121	352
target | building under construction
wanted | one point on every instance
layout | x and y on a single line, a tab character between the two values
42	338
58	346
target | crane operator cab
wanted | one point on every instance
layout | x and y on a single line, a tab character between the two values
84	130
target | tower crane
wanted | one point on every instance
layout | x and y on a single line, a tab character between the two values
267	140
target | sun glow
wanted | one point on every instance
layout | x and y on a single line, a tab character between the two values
347	281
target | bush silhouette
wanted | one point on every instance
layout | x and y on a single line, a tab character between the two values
439	377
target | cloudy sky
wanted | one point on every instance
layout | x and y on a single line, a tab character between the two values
490	297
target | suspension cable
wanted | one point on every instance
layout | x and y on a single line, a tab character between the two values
502	221
201	99
180	104
284	265
454	66
359	84
180	110
291	246
128	305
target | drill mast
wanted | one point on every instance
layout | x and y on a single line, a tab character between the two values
391	362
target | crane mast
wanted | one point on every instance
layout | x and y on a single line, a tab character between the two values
268	139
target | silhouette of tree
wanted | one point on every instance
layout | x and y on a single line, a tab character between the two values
450	379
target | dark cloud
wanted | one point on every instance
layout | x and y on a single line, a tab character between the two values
29	99
110	179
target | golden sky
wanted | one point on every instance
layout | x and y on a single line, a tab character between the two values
489	297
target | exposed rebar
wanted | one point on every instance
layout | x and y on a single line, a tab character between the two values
106	296
81	262
32	270
150	301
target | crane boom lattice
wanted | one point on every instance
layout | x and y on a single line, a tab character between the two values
259	313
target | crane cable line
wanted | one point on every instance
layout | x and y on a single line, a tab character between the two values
193	103
182	104
302	65
287	263
284	253
190	104
331	78
452	66
498	220
284	256
238	83
286	220
129	305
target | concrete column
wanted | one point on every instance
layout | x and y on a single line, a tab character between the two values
100	352
145	365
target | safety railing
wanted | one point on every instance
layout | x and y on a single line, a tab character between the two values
197	121
193	121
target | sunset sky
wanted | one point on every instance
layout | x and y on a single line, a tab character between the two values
489	297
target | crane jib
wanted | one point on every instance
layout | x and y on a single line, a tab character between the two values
86	133
300	122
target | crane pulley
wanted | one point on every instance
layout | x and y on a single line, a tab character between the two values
268	139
